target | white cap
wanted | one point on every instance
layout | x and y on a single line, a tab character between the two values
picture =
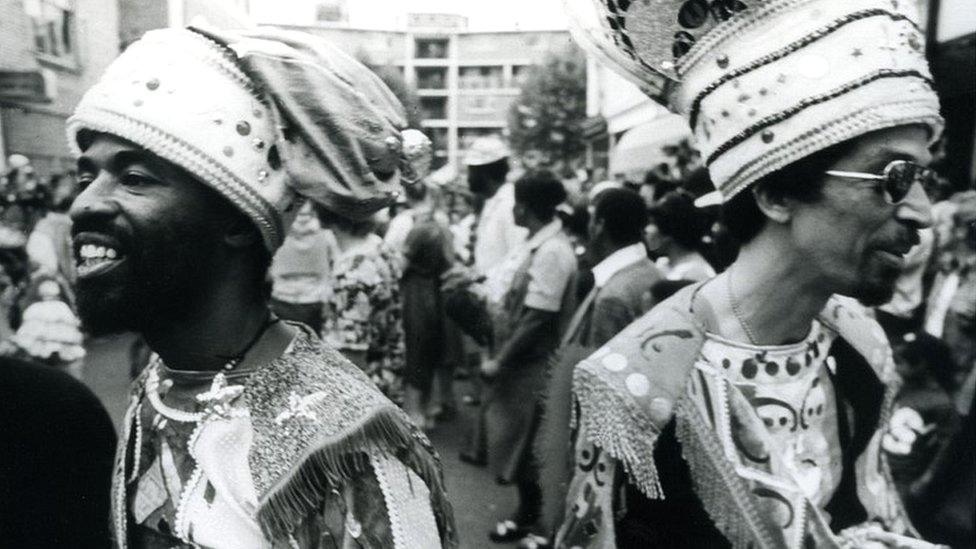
486	150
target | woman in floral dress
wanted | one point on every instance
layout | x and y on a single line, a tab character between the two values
363	316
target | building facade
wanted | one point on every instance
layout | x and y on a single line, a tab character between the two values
51	52
466	80
138	16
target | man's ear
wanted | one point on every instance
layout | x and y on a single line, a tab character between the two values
240	232
776	207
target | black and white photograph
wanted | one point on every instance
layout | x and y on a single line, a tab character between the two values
518	274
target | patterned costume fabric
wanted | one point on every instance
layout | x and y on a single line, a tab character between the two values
303	452
754	426
365	312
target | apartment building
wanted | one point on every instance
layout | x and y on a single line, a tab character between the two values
51	52
466	79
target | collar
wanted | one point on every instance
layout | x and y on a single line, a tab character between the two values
545	233
618	261
370	243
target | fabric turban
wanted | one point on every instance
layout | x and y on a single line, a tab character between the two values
268	118
764	83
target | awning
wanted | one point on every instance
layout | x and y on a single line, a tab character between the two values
641	148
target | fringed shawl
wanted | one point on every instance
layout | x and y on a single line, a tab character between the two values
633	387
317	419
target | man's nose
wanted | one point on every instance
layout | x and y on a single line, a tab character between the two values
916	208
95	200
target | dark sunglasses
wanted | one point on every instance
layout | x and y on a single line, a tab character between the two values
898	178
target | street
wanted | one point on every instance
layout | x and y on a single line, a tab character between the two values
478	501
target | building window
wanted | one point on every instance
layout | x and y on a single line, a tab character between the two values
433	108
53	23
519	74
480	78
431	78
431	48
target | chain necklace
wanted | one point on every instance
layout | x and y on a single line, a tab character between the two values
735	309
220	394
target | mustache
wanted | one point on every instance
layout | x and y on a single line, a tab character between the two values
102	227
901	243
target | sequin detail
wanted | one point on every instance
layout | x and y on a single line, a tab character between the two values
783	52
808	102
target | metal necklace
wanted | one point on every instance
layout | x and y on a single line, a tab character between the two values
735	309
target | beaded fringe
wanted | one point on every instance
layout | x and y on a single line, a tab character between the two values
605	421
333	463
721	491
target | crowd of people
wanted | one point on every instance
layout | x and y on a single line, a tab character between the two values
786	361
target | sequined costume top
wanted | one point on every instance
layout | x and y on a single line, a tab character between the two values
303	452
685	439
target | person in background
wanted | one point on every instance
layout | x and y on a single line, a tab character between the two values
48	330
675	236
244	430
14	273
363	314
432	342
301	270
623	274
23	198
496	233
55	460
951	308
654	187
905	312
49	244
527	322
623	279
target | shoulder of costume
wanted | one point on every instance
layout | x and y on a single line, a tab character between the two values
635	278
854	323
317	421
627	390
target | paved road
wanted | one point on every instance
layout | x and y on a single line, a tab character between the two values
478	501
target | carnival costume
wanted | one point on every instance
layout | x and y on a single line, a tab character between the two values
747	446
303	451
766	464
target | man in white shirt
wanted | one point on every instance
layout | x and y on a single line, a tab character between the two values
496	233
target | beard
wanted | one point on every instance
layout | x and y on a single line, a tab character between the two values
161	278
876	282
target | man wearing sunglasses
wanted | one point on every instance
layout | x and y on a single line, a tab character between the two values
746	410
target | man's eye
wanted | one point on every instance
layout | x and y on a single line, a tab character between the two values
85	179
134	179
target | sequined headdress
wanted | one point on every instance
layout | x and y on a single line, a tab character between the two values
764	83
267	118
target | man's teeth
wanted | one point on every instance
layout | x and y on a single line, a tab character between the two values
94	251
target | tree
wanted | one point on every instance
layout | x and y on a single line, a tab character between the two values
394	80
550	108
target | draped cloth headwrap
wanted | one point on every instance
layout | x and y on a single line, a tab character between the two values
268	118
764	83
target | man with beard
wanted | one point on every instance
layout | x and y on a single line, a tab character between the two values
746	410
196	150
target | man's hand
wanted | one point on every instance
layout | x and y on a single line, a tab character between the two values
490	368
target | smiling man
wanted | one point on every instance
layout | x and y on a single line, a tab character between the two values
746	410
196	151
